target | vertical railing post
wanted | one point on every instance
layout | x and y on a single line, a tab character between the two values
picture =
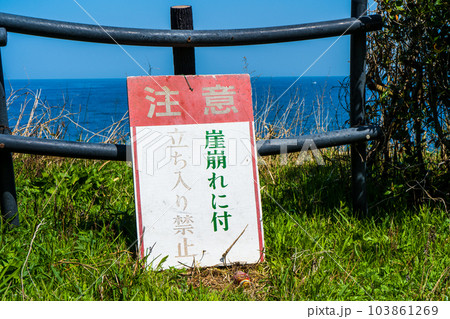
8	199
183	58
357	105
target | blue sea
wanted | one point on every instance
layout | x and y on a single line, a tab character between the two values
87	106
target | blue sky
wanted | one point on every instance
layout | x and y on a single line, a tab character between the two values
37	58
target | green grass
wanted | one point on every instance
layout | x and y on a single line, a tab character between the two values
77	239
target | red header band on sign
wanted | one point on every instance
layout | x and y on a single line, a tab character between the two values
190	99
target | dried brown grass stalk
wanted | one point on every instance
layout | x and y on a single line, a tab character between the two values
38	119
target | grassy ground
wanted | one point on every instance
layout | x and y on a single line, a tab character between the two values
77	240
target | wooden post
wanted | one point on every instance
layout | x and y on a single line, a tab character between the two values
357	105
183	58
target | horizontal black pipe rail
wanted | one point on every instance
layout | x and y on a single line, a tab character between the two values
61	148
322	140
117	152
187	38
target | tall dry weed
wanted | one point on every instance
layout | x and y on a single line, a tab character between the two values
37	118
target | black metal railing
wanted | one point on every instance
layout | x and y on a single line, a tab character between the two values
186	38
183	40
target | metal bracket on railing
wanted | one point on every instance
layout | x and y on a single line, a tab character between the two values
5	129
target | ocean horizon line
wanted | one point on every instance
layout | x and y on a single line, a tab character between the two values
123	78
